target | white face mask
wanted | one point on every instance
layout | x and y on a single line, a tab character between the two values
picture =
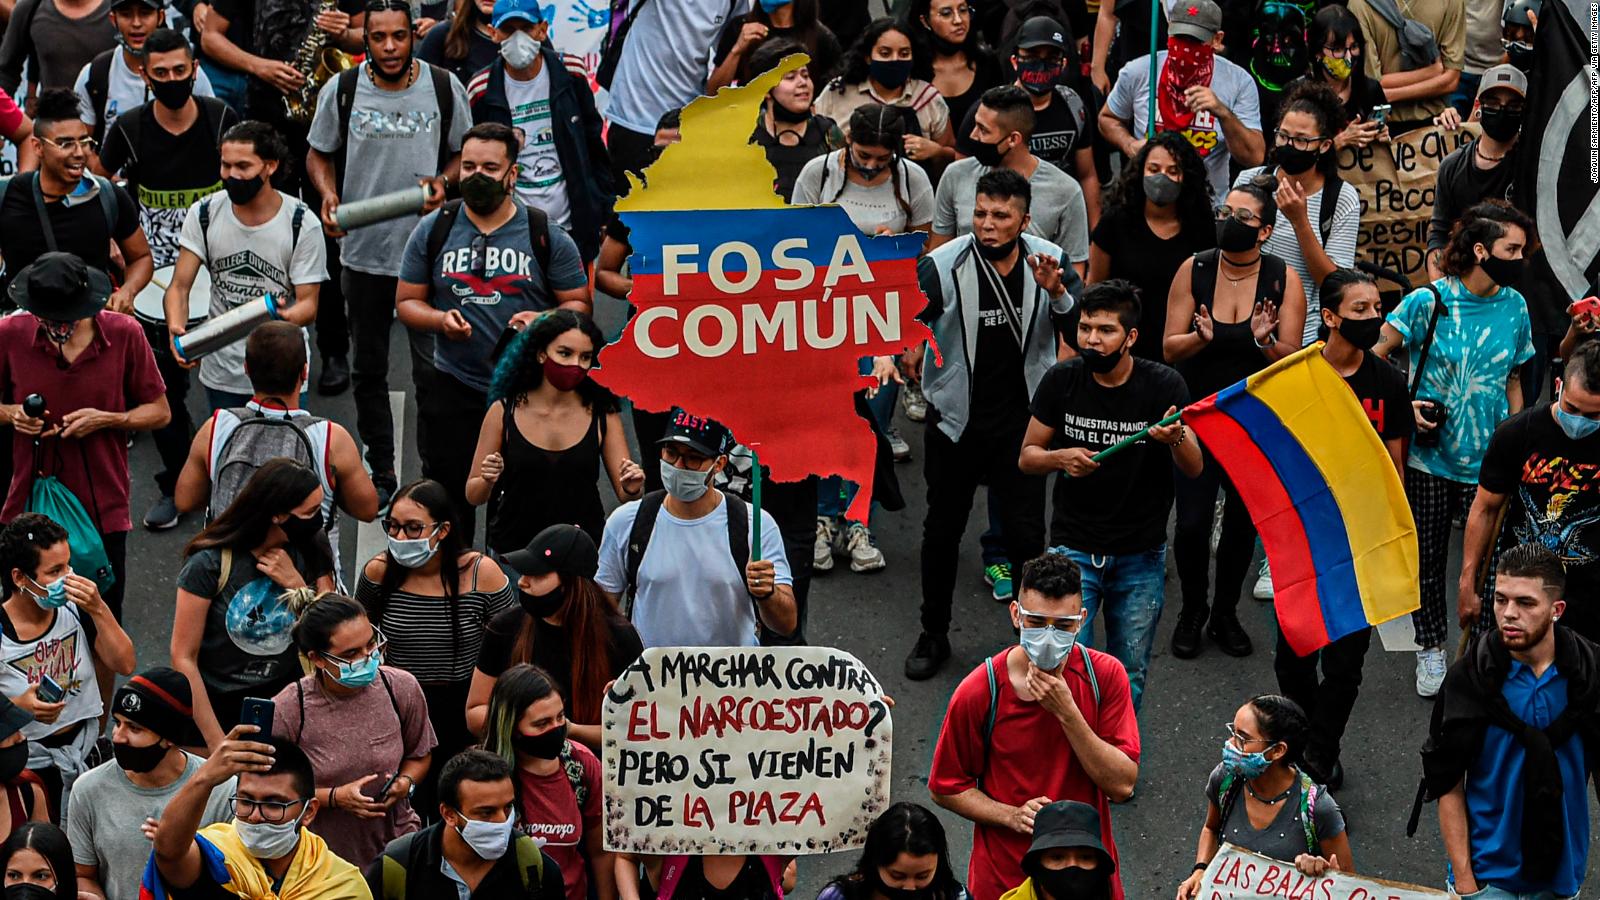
487	839
685	485
519	50
267	841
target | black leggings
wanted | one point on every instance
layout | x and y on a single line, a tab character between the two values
1191	545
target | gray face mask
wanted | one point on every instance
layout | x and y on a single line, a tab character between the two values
1161	189
685	485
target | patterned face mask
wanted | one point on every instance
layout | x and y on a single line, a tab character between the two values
58	332
1189	62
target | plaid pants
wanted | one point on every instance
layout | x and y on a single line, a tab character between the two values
1435	504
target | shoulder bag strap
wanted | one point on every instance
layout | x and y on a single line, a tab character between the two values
44	214
644	523
989	719
1427	341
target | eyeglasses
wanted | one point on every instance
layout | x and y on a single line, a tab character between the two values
1241	214
1296	141
954	12
689	458
1514	109
376	643
412	530
1040	620
480	254
70	144
1240	740
271	811
1341	52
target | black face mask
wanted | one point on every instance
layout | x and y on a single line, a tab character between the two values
243	190
301	531
172	94
1073	883
1038	76
1234	236
13	760
867	172
784	114
891	73
1504	272
542	606
988	154
1500	124
541	746
29	891
1363	333
997	253
1294	160
895	893
482	192
138	759
1100	362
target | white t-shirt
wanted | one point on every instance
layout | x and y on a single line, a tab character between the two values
691	592
125	90
870	208
1341	245
246	262
667	59
539	179
66	653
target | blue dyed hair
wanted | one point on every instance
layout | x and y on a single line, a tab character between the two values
519	371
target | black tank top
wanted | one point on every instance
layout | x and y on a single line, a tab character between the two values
788	159
539	488
1232	353
752	883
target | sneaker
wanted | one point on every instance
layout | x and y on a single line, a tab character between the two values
1229	636
1263	588
927	656
1186	637
822	550
163	515
998	576
387	484
1216	527
898	445
864	553
916	405
1430	671
335	377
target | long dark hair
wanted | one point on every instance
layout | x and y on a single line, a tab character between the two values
458	39
903	828
1334	24
431	496
876	125
50	842
860	52
588	615
972	46
275	489
519	370
1194	202
807	32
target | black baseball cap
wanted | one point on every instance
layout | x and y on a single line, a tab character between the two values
1067	823
565	549
13	718
705	436
1041	31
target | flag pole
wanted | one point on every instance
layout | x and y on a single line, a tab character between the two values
1132	439
755	503
1150	116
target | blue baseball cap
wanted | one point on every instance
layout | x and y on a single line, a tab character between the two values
506	10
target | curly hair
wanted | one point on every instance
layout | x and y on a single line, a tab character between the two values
1484	224
1194	202
519	370
28	535
1317	100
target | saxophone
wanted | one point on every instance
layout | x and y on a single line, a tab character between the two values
316	62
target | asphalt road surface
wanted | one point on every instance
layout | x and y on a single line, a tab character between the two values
875	617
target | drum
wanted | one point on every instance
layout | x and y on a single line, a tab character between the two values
148	305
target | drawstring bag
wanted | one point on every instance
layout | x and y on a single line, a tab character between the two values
52	498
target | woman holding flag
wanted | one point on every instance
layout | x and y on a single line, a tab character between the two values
1232	311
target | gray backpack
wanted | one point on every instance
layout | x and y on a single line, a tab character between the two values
256	439
1418	46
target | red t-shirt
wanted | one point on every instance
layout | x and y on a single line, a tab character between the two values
1029	757
10	114
549	811
115	373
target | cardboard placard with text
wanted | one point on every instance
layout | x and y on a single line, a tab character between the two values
1236	874
761	750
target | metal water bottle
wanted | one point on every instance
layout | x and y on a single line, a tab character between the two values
405	202
233	325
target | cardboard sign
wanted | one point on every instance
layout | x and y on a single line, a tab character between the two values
744	750
1238	873
1395	181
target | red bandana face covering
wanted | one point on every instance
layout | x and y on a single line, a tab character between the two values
1189	62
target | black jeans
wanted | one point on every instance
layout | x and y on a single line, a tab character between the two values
953	470
333	325
454	413
371	301
630	152
172	440
650	428
1327	701
116	544
1191	544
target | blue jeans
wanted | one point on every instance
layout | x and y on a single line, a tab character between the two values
229	85
1465	95
1132	588
834	493
1490	892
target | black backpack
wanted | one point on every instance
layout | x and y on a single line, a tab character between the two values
538	233
345	101
211	112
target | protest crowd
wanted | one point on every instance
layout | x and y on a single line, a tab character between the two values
248	193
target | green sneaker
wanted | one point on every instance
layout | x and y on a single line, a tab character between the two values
998	576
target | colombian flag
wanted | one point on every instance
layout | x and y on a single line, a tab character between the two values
1323	493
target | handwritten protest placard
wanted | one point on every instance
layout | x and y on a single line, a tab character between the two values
744	750
1238	873
1395	181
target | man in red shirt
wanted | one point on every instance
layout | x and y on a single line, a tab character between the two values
1051	721
98	379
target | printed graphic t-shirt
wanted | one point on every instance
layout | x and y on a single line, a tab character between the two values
65	652
168	173
246	640
539	179
549	812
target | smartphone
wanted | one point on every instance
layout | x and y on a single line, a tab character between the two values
1380	114
377	795
49	691
257	712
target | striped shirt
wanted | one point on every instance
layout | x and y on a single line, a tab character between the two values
1341	245
419	633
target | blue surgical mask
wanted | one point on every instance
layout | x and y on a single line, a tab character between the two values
768	6
1048	646
685	485
55	593
1577	427
1242	764
412	554
360	674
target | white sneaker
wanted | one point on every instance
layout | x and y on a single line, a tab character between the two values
1430	671
915	403
822	550
897	444
864	553
1263	588
1216	526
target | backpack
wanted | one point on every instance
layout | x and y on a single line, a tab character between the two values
538	233
295	221
672	872
994	701
397	860
211	109
1332	189
345	102
256	439
1418	46
99	88
1228	795
54	499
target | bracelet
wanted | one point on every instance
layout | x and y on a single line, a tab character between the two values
1268	344
333	802
1201	866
